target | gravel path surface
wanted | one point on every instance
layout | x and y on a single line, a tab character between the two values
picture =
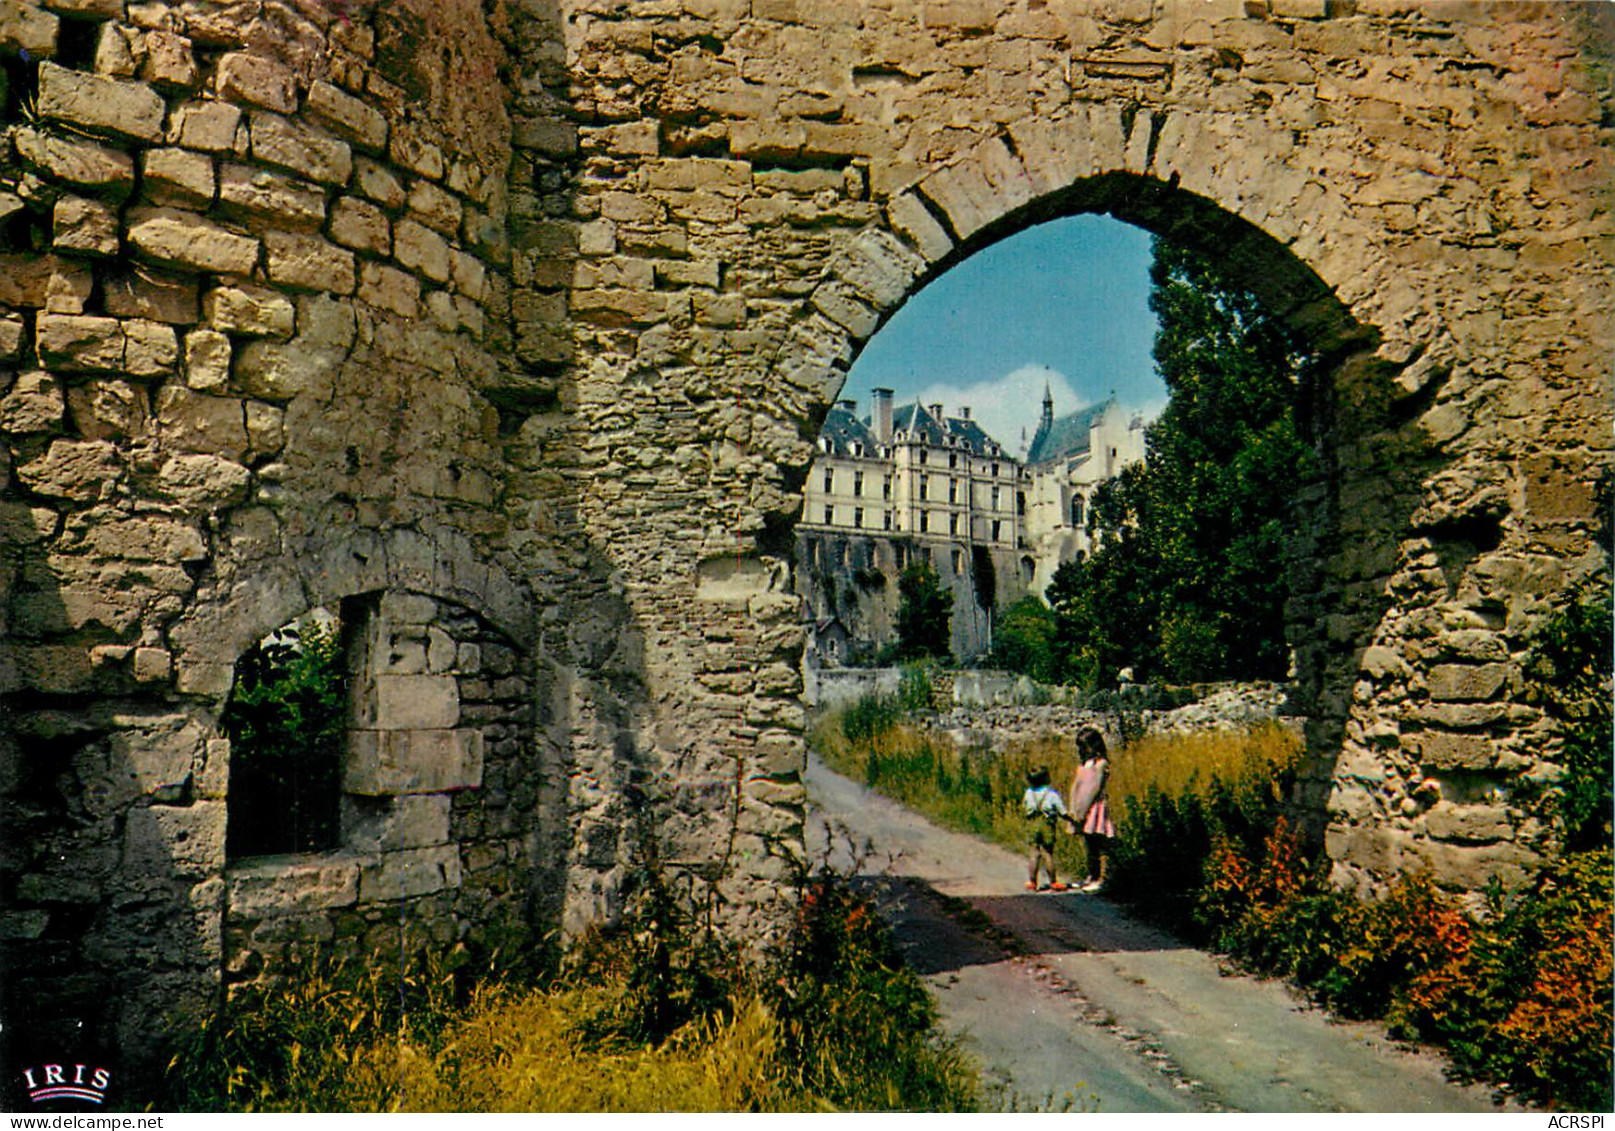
1067	1002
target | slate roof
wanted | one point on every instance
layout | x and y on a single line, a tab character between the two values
1066	437
842	428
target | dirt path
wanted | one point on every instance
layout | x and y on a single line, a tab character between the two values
1067	1001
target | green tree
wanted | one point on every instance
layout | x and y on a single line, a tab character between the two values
924	614
1023	640
1187	581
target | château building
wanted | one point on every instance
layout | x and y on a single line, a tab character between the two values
912	483
1068	459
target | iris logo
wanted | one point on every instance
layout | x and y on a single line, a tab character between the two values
67	1082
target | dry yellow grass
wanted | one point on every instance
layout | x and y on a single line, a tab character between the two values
977	791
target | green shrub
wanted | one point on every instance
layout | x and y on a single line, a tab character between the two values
652	1013
287	723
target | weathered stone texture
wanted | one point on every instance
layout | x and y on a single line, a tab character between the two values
378	323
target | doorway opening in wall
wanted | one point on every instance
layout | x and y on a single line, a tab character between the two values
1122	427
287	722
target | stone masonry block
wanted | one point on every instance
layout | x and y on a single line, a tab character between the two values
84	227
36	280
1464	682
420	249
391	289
300	149
208	126
412	872
80	342
193	422
914	221
393	823
164	840
150	349
309	263
107	409
254	311
169	63
1439	751
437	209
100	105
244	77
150	294
27	26
94	167
207	361
412	702
379	182
347	116
260	194
276	888
361	226
33	404
177	177
187	240
383	763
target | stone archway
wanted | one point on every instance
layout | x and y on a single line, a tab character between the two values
574	283
761	189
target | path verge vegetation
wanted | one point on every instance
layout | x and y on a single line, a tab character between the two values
1517	991
654	1014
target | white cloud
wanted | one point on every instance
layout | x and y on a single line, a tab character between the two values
1009	403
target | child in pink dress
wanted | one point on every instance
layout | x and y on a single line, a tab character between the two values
1088	807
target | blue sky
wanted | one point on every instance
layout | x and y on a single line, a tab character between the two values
1064	302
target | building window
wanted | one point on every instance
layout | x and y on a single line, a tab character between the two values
925	522
953	490
829	516
953	524
1076	511
829	483
925	488
953	459
1028	570
1020	502
858	516
857	483
923	456
900	555
887	519
995	498
998	530
995	471
886	486
958	561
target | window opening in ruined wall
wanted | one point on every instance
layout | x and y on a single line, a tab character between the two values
287	725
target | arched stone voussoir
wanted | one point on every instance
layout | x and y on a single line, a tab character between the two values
439	563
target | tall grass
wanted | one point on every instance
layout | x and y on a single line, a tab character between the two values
978	791
1519	995
650	1015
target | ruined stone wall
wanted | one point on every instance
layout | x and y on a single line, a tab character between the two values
253	322
1420	189
533	309
438	804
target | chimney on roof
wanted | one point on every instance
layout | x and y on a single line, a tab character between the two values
883	415
936	411
964	412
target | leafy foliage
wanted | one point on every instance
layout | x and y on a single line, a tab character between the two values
1023	639
653	1013
924	614
286	722
1187	580
1569	668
